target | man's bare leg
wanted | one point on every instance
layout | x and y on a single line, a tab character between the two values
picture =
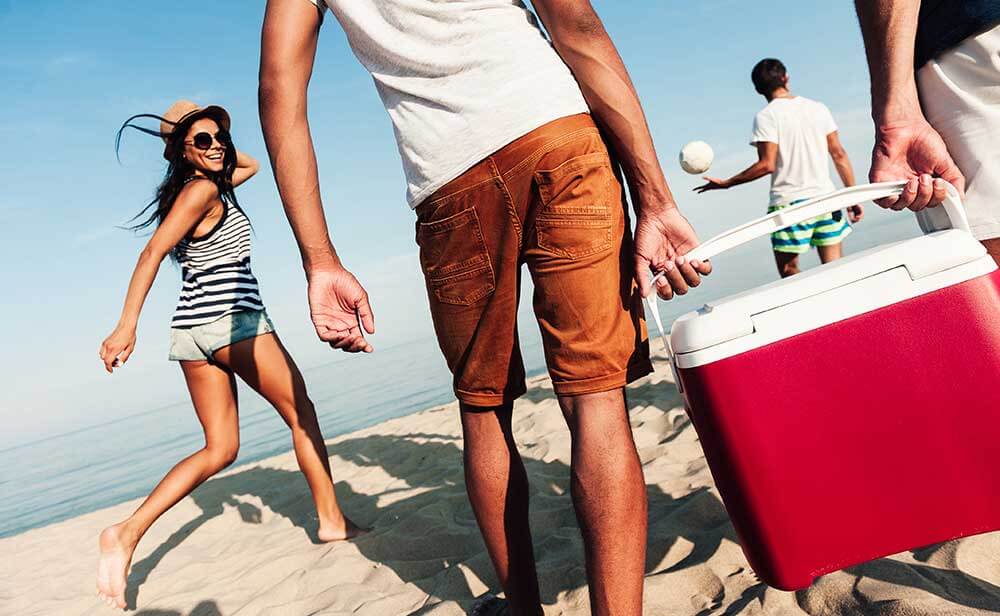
609	494
497	485
830	253
993	247
788	263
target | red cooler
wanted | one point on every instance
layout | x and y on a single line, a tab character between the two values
852	411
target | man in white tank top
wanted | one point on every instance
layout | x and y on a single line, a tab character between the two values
504	166
794	137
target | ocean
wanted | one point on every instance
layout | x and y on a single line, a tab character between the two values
77	472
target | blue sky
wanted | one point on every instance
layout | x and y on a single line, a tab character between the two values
73	71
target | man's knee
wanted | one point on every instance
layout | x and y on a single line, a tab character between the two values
593	409
487	431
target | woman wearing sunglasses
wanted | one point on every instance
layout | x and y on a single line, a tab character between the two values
219	329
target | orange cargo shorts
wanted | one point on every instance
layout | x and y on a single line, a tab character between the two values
550	200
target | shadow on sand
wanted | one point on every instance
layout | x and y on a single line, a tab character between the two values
400	537
430	466
205	608
433	497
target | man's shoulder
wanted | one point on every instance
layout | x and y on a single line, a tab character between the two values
813	103
764	114
794	106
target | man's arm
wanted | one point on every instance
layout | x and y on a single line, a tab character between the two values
767	160
662	233
840	159
843	165
906	146
288	49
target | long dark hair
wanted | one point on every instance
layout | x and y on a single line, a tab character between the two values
179	170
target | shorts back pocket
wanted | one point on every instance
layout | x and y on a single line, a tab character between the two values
574	219
454	259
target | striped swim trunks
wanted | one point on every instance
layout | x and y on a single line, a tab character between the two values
822	231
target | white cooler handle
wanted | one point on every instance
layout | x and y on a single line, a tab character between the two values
812	208
799	213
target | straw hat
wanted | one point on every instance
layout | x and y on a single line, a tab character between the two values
184	110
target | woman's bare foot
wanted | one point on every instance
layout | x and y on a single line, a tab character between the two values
114	564
340	529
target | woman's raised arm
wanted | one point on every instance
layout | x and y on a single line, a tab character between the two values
246	167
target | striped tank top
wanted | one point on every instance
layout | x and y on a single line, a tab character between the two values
216	272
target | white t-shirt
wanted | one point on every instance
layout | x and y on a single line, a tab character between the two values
459	79
799	126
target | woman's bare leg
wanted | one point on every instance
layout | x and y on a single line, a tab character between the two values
213	392
267	367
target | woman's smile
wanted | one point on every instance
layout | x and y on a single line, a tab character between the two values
213	159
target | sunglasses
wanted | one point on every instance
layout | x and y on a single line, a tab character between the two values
203	141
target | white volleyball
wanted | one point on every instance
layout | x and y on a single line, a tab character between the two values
696	157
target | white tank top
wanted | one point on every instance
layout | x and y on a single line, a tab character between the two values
460	79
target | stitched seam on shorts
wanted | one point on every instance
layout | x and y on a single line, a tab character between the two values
457	192
551	217
606	382
548	146
450	223
464	270
534	155
609	381
583	161
547	242
509	203
456	270
480	399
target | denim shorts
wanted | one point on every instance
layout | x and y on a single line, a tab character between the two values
202	341
549	199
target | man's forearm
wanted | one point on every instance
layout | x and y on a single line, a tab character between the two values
587	49
293	159
889	28
616	109
844	170
754	172
288	49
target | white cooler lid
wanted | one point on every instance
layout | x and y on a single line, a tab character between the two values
833	292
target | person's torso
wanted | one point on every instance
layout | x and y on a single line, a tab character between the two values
215	269
802	169
944	24
459	79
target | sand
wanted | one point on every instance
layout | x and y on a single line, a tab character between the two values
243	543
